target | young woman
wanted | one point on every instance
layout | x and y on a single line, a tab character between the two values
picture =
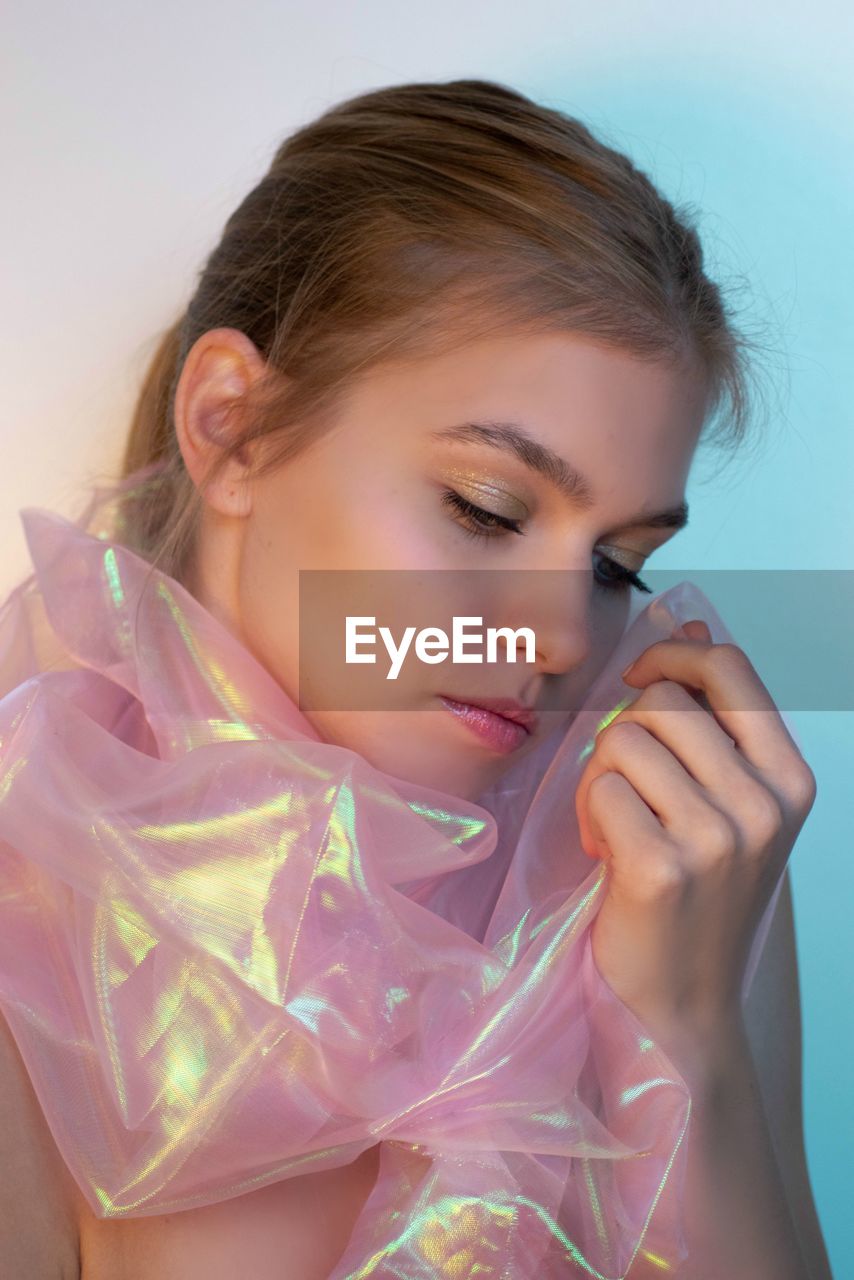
449	330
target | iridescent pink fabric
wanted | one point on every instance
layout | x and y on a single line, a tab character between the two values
232	953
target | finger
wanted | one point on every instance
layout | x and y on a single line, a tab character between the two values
694	629
667	711
632	841
724	781
736	695
679	803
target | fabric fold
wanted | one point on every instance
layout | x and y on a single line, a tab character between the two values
232	952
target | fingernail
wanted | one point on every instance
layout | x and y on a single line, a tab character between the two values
680	633
625	671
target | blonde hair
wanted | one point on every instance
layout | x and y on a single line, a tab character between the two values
398	223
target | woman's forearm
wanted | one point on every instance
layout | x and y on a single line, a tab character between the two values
738	1224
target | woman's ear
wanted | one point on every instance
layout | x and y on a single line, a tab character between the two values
218	371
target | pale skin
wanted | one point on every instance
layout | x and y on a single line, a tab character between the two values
693	812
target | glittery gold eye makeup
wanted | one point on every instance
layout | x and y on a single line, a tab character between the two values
478	522
478	486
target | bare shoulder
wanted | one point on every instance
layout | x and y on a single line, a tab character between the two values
773	1020
38	1196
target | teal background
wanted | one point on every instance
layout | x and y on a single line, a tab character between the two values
768	160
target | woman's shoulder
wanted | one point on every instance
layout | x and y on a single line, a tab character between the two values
39	1199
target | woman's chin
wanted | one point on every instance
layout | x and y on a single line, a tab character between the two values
428	747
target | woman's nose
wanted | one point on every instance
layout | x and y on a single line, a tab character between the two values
556	605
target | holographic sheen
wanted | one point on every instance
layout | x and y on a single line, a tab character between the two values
232	952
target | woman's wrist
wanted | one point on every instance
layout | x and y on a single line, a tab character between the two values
737	1218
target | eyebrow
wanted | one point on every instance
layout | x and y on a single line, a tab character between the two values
513	437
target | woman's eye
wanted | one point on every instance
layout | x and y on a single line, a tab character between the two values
619	578
479	523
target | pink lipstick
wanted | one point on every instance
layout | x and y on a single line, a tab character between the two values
502	724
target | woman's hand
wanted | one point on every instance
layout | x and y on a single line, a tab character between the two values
695	800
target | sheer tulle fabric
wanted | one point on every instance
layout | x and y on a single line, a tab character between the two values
232	953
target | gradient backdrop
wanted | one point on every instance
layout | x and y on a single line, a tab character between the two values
132	130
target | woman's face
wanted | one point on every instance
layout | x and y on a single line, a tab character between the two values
372	494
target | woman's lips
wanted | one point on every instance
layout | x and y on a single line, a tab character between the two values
495	730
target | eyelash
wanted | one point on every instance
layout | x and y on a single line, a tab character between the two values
478	518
